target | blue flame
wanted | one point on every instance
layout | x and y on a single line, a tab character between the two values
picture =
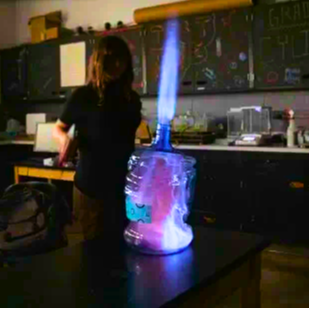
169	73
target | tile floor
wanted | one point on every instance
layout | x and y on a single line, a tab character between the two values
285	279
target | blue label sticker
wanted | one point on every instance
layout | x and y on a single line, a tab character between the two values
138	212
292	76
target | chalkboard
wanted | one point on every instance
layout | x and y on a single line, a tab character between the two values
44	71
214	52
133	37
281	45
154	40
14	73
220	46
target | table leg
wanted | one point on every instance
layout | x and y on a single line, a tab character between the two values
251	293
16	175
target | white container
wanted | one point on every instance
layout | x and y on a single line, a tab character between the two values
32	120
290	134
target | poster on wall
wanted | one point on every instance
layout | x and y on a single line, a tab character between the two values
73	64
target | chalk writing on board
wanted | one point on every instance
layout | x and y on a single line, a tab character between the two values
292	76
209	73
207	35
157	33
283	41
289	46
222	49
46	84
302	38
227	21
218	47
282	32
272	77
208	44
288	16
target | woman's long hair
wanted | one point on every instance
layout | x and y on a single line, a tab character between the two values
108	51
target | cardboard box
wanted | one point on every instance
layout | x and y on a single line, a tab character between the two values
40	24
52	33
57	32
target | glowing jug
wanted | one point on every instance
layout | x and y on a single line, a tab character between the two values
159	191
160	183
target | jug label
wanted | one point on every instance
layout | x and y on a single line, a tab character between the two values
138	212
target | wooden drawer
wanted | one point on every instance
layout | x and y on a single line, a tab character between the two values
45	173
23	171
68	175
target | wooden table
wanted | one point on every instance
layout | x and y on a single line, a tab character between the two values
30	169
101	274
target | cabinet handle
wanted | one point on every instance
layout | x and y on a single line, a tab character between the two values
210	220
297	185
201	83
187	83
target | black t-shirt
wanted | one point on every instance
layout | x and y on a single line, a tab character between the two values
106	136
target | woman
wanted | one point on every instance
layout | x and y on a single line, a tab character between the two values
106	113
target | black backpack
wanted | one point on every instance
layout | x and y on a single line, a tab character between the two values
33	216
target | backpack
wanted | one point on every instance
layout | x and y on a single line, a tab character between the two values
33	216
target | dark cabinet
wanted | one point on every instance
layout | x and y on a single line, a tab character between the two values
218	199
14	73
214	51
275	185
44	71
133	36
220	51
264	193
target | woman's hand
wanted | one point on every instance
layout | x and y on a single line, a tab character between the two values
61	136
64	142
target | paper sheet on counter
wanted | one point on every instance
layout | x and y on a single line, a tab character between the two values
73	64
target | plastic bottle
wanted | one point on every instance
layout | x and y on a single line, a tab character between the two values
159	192
291	130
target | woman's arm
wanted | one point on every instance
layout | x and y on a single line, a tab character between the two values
60	134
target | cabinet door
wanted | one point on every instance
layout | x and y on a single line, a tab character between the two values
223	189
13	73
154	41
133	36
220	47
44	71
262	180
276	187
292	208
218	196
